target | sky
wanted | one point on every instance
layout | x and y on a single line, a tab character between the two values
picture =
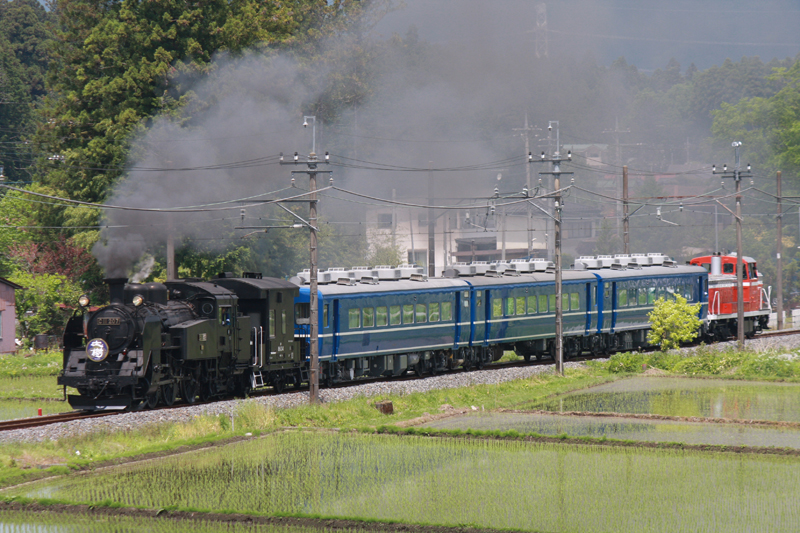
647	33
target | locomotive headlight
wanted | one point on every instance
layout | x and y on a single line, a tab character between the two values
138	300
83	301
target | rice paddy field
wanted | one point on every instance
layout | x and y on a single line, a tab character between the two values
444	481
684	397
695	433
56	522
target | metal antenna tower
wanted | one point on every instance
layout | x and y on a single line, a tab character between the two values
541	30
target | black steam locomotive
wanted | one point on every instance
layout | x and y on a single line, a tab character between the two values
185	339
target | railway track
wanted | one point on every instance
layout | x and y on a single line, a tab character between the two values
33	422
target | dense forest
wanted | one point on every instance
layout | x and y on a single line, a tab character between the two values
164	103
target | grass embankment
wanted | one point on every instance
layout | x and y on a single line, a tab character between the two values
32	375
21	462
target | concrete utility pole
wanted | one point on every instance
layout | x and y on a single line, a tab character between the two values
431	225
616	131
556	173
779	244
526	130
737	176
311	163
626	236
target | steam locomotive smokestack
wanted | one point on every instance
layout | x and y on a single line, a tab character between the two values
115	288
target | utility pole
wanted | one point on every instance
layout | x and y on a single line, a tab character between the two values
431	227
616	131
526	131
779	245
556	173
737	176
313	298
625	229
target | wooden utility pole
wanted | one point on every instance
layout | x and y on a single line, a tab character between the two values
556	173
737	176
779	244
313	297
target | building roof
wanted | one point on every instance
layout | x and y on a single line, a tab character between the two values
11	284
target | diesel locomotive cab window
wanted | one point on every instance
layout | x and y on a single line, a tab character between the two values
753	271
369	317
433	312
381	317
354	318
394	315
727	268
408	314
447	311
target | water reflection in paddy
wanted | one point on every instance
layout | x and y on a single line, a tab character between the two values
626	429
684	397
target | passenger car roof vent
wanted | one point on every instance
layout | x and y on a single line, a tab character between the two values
540	265
589	262
617	266
345	281
418	277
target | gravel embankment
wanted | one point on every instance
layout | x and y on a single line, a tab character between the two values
128	421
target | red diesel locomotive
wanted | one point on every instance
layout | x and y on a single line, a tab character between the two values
722	296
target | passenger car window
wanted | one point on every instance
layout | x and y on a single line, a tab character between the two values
381	316
521	305
510	307
497	307
622	297
651	295
642	296
542	303
408	314
369	317
531	305
565	301
394	315
422	313
447	311
433	312
354	318
575	301
552	299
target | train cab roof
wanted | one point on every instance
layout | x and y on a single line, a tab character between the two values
255	288
185	290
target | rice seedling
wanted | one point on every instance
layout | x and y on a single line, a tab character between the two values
456	482
27	521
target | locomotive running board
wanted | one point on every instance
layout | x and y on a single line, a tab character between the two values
115	403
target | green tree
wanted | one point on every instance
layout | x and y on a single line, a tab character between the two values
673	322
608	242
45	303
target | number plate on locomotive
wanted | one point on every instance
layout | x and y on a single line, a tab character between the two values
108	321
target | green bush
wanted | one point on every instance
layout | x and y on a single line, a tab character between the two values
673	322
768	365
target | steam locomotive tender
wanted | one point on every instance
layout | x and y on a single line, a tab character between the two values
184	339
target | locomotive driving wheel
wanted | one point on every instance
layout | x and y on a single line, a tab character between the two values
151	399
189	389
169	393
